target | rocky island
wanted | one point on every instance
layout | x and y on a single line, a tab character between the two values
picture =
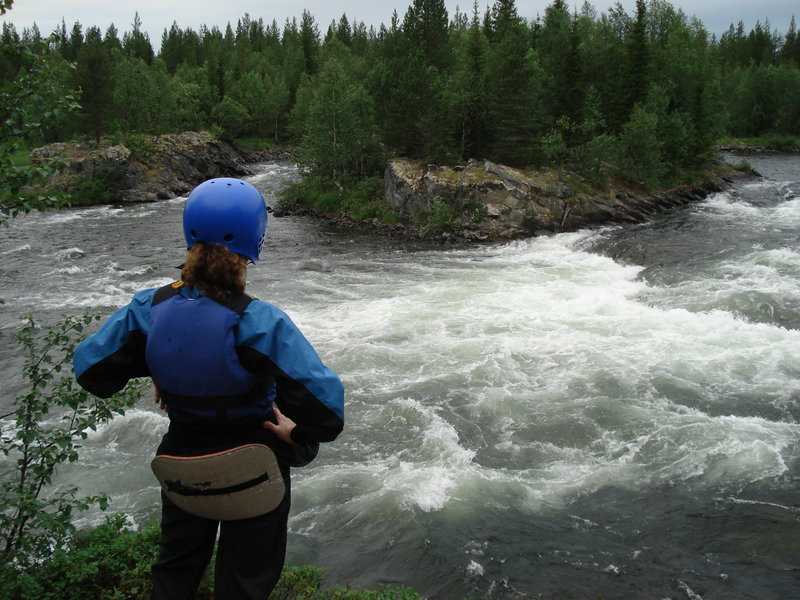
489	201
155	168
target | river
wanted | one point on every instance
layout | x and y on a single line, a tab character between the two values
609	413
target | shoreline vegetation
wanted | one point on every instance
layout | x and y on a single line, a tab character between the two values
113	560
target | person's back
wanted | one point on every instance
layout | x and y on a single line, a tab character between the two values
231	371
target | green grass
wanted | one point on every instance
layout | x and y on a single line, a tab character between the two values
113	562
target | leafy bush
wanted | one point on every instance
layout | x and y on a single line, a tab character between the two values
232	117
89	190
30	107
113	562
596	158
441	218
642	148
51	416
140	145
357	199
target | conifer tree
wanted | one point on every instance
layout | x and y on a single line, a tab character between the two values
309	38
111	38
94	76
171	47
426	25
790	51
60	39
468	94
638	58
344	32
509	86
75	42
137	43
555	48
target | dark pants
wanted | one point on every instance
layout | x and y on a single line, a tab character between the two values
249	561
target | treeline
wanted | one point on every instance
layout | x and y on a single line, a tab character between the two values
646	94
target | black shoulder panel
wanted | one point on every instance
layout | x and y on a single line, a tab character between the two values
167	292
237	304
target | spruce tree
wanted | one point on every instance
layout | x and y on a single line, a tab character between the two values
638	58
470	82
509	91
309	37
790	51
60	39
426	25
94	77
111	38
136	43
555	48
344	32
75	42
171	47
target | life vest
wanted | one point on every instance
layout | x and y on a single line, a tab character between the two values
192	357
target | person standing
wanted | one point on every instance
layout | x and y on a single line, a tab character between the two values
230	371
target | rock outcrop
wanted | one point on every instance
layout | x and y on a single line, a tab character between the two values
159	167
492	201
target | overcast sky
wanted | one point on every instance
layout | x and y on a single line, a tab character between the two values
158	14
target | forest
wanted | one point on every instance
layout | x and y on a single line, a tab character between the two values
647	94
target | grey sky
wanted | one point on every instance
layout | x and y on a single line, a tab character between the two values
158	14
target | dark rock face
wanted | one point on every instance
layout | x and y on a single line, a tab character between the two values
498	202
170	166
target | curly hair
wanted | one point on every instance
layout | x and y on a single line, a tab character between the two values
215	270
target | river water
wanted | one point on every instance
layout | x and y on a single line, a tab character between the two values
610	413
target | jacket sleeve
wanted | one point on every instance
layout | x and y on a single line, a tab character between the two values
106	360
308	392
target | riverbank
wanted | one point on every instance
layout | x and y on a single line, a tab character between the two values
765	144
113	561
484	201
140	168
479	201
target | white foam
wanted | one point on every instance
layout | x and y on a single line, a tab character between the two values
23	248
66	216
792	509
475	569
137	424
758	282
785	215
68	254
102	292
73	270
533	372
117	271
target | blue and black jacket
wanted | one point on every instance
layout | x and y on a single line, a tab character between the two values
215	363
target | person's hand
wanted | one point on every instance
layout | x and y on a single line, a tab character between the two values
284	427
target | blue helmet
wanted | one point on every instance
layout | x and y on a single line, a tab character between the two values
228	212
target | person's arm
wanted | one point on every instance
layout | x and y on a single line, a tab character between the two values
106	360
308	392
